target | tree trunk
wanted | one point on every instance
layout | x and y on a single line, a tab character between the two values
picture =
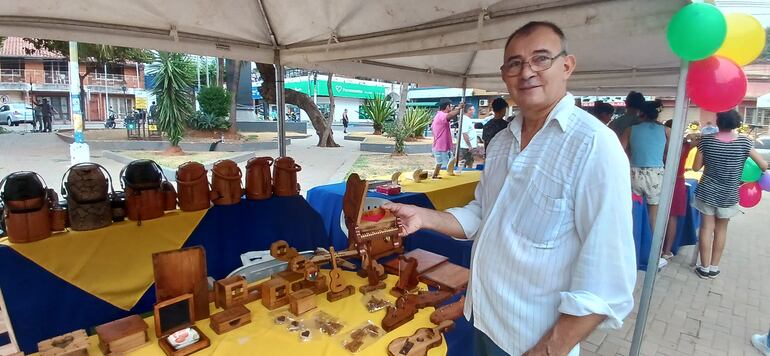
220	72
328	129
83	110
402	102
234	93
305	102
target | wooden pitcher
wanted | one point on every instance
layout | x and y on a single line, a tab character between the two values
258	179
285	177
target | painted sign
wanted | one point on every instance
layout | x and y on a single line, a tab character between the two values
340	89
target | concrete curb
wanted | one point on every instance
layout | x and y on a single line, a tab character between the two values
271	126
170	172
130	145
354	138
390	147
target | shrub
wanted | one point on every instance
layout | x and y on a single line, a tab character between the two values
416	120
215	100
399	133
379	110
207	122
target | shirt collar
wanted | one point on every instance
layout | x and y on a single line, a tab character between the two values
562	113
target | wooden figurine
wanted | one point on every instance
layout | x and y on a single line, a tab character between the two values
69	344
374	237
301	301
230	292
275	293
400	314
123	335
437	171
394	178
337	287
419	175
420	342
281	251
450	311
230	319
176	315
450	167
407	276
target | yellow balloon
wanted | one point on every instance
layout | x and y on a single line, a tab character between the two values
745	39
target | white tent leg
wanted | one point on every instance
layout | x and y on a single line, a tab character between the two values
280	102
669	180
461	114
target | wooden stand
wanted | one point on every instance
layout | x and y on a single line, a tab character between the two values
69	344
230	319
173	315
407	281
301	301
275	293
123	335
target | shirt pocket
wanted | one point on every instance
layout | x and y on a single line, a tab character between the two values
541	215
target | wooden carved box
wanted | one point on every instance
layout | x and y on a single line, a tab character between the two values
230	292
230	319
123	335
69	344
175	315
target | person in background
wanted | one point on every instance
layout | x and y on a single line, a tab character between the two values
153	111
634	102
762	343
47	109
679	201
604	112
645	142
442	136
345	121
497	122
37	123
469	140
723	154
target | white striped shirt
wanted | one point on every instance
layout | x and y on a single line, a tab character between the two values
552	230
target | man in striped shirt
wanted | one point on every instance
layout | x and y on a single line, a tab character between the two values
553	254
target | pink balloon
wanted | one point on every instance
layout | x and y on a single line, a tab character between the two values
716	84
749	195
764	182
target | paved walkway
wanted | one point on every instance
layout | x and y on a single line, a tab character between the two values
693	316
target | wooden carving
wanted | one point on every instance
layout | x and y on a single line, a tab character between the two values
69	344
450	167
123	335
230	319
437	171
408	304
451	311
420	342
374	234
337	287
407	276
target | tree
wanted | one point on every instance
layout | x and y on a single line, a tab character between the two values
171	88
328	129
305	102
233	89
765	56
95	55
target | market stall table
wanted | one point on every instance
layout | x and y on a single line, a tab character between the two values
78	280
263	337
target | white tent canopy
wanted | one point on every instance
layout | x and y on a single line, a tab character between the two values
619	45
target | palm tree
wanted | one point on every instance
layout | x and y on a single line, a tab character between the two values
171	88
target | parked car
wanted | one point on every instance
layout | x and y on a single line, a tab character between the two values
14	114
762	145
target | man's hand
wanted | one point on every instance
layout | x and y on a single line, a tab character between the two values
410	216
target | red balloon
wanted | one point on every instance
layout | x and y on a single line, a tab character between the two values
716	84
749	195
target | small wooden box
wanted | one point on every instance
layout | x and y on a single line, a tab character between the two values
275	293
230	292
301	301
122	335
173	315
69	344
230	319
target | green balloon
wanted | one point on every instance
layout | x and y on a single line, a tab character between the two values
696	31
751	172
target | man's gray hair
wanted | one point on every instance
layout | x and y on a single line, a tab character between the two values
534	25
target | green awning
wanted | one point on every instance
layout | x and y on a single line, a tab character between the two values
424	103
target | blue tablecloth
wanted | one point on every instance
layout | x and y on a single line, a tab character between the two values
42	305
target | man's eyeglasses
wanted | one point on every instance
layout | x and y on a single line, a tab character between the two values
537	63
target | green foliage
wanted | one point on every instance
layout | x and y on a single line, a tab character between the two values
399	132
3	130
765	56
207	122
171	88
100	54
379	110
215	100
416	120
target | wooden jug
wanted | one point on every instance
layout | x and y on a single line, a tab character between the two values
258	179
285	177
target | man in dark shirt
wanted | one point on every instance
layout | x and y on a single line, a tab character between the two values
634	102
497	123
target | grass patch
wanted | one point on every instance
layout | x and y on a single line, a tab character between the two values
369	166
175	161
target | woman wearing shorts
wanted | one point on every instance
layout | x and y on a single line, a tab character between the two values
723	154
679	200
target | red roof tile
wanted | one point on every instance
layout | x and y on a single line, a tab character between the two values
15	47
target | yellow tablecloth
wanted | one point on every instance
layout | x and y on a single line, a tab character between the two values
113	263
263	337
447	192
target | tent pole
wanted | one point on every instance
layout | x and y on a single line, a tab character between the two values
460	126
280	102
659	231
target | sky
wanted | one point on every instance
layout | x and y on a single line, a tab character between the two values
758	8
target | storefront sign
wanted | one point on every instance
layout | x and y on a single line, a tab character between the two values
340	89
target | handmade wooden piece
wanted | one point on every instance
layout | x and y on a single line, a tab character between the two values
420	342
285	177
437	171
408	304
450	167
407	276
419	175
280	250
451	311
337	287
275	293
447	276
259	183
174	315
69	344
426	261
123	335
230	319
301	301
230	292
394	178
182	271
374	237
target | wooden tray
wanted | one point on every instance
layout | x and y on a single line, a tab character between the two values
426	260
182	271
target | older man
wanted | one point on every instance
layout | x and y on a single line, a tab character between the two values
553	254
